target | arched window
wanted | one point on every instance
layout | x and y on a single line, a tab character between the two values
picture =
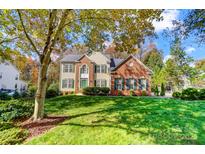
84	69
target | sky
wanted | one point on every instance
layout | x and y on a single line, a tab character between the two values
192	48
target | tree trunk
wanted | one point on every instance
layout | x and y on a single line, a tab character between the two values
41	93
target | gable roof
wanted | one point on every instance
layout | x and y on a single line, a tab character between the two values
71	58
131	56
114	62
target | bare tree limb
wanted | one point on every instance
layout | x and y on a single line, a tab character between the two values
27	36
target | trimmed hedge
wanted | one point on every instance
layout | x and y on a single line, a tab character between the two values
176	95
103	91
190	94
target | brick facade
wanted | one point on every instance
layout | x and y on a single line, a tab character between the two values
84	61
131	68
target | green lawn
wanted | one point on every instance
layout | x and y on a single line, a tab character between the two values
125	120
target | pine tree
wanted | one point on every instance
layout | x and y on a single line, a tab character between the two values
162	93
156	92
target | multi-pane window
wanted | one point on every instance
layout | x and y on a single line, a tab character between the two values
84	69
103	68
97	68
101	83
64	83
67	83
97	84
118	85
68	68
131	84
83	83
142	84
100	68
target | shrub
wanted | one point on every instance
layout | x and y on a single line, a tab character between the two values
156	92
96	91
12	135
176	95
104	91
32	91
4	96
202	94
13	109
190	94
52	91
24	94
162	92
119	93
16	95
132	93
144	93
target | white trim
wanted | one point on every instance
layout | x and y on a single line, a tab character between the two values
84	78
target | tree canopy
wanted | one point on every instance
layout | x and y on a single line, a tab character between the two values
42	33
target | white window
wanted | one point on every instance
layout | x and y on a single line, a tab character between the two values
103	83
67	83
16	78
68	68
97	69
98	83
103	68
118	84
1	75
84	69
142	84
70	83
64	83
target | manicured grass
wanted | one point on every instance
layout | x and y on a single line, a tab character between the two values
125	120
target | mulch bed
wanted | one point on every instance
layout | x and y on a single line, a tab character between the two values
42	126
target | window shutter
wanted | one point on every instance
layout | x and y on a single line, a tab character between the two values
135	84
72	83
122	84
115	84
95	69
147	85
140	86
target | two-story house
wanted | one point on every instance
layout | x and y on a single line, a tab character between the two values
97	69
9	78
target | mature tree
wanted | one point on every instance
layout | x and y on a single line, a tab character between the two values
200	65
194	23
178	66
153	59
44	32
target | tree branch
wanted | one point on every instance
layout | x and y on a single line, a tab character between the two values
7	40
27	36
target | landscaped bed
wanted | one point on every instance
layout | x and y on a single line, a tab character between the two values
124	120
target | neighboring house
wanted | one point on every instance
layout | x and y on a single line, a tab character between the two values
9	78
97	69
